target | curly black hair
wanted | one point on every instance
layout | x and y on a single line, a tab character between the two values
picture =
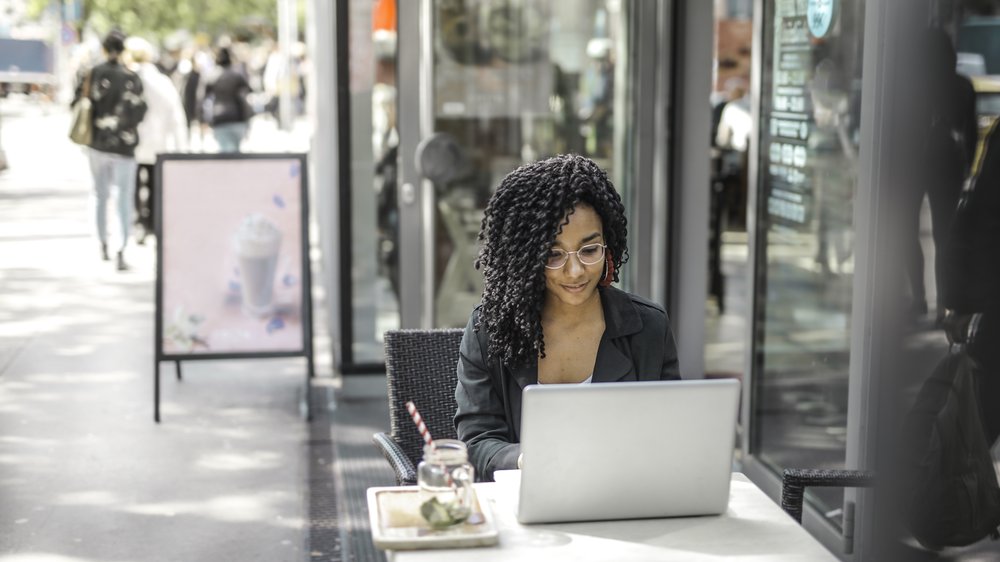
522	221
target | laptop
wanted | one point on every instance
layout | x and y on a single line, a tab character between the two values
626	450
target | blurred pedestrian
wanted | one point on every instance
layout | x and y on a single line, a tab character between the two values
118	107
972	272
226	108
164	129
191	86
948	133
3	158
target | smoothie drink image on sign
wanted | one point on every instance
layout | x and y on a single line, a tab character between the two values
258	241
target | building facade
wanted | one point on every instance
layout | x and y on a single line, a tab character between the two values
791	170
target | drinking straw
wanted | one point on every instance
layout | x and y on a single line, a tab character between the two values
419	421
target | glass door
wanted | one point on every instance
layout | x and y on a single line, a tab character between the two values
809	141
485	87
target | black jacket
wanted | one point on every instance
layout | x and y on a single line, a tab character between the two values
637	345
227	99
118	107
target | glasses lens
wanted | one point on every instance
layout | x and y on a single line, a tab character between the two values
591	254
556	259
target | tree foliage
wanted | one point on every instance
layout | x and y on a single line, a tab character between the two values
159	18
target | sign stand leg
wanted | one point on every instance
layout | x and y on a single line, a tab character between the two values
178	364
156	391
308	389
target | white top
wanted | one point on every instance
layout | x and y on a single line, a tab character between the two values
735	125
753	528
164	127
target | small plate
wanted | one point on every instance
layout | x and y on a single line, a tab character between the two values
394	513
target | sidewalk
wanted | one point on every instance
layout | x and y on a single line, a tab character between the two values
232	473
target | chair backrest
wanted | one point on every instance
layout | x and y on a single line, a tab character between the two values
421	366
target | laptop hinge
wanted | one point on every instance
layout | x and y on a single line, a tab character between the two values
849	527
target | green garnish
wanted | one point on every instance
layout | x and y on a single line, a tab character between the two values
442	516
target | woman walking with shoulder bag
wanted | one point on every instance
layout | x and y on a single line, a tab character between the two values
117	107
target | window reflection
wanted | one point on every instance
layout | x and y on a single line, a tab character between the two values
374	149
515	81
971	268
726	311
950	227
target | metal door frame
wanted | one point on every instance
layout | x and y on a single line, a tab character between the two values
865	339
414	120
342	316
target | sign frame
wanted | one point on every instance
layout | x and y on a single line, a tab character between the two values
304	275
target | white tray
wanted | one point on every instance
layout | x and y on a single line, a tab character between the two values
396	523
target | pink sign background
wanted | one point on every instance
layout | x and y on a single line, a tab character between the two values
204	203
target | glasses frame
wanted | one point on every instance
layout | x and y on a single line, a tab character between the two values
577	252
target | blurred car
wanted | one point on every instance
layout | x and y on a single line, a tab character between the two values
26	65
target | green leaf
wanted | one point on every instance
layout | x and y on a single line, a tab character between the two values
436	514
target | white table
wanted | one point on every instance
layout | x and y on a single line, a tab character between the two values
754	528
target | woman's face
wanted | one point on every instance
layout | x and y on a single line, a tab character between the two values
576	283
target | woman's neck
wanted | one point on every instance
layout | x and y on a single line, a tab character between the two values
556	311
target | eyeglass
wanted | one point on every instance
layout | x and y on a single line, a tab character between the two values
588	255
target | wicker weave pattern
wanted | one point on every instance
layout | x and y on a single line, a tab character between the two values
406	473
795	481
421	366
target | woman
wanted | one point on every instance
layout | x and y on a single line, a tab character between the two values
163	129
553	240
119	107
226	107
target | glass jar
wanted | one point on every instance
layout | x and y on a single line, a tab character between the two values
445	478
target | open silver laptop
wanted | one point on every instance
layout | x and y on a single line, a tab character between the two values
626	450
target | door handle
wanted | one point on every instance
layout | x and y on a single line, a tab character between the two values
408	194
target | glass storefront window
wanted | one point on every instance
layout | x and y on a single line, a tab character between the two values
809	133
726	310
516	82
374	303
511	82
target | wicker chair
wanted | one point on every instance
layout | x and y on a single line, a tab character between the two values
795	481
420	366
